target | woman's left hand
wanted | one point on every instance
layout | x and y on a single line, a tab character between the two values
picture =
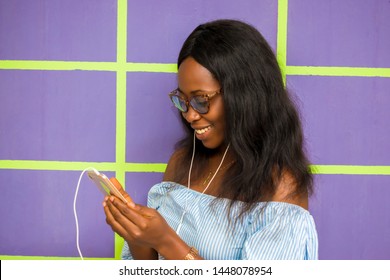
137	224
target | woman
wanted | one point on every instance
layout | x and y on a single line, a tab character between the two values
237	185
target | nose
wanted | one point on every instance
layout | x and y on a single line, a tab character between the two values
191	115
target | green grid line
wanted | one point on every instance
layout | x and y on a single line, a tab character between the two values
171	67
55	165
79	166
121	84
350	169
281	49
87	66
338	71
160	167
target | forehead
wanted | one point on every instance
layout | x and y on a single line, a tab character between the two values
194	77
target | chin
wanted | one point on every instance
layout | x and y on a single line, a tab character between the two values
212	145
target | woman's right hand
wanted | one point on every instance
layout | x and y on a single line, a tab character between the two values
138	252
144	229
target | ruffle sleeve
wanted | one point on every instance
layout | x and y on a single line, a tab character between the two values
281	231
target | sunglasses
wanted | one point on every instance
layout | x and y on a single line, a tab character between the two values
200	103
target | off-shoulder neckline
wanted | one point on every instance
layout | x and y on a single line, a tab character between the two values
211	197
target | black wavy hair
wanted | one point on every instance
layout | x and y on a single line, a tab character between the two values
262	123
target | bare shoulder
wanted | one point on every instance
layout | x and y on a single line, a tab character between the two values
172	165
286	192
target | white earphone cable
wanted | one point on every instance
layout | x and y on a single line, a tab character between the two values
75	212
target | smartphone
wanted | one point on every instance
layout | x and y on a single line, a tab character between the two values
104	184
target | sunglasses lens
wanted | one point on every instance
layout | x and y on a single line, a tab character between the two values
200	104
179	103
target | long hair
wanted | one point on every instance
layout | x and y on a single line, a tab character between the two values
262	124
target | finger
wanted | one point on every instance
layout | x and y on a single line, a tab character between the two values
118	222
145	211
139	215
110	220
119	187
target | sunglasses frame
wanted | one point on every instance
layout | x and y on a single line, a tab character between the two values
208	95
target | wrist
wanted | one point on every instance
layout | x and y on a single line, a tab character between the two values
192	254
142	252
172	247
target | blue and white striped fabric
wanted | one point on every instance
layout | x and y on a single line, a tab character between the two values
271	231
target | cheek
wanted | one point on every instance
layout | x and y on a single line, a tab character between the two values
220	130
219	114
219	121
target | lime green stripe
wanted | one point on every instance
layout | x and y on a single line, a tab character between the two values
160	167
122	31
145	167
57	65
79	166
120	150
171	68
121	84
55	165
281	52
87	66
350	169
118	245
121	117
338	71
151	67
121	90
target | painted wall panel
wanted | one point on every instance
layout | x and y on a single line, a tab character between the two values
346	119
339	33
152	126
55	115
155	30
352	216
138	184
37	215
76	30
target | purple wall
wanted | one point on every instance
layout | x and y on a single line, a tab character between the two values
70	116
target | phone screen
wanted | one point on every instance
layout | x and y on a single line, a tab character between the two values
105	185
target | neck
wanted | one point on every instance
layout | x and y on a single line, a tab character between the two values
218	168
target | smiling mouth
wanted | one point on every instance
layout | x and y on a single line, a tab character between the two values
203	130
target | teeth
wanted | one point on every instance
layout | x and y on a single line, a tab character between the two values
201	131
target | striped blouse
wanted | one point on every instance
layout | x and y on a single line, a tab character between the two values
270	231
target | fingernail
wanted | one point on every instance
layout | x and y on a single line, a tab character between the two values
106	198
112	199
131	204
104	204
